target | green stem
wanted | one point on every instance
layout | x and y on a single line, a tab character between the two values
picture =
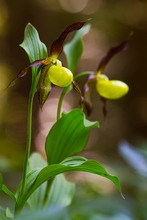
33	90
81	75
48	188
49	183
67	89
29	137
64	91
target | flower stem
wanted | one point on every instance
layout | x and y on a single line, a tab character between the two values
48	188
81	75
64	91
29	137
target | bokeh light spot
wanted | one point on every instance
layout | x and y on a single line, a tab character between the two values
73	6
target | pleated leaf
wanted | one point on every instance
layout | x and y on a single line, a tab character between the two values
68	136
51	171
61	193
36	199
32	45
73	50
34	48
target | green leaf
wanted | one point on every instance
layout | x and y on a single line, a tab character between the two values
68	136
36	161
74	161
36	51
5	213
62	192
36	199
1	182
33	46
51	171
52	212
2	214
4	188
9	214
8	192
31	176
73	50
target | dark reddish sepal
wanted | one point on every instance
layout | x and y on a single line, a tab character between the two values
24	71
113	51
57	45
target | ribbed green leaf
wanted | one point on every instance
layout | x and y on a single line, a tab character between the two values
8	192
51	171
62	192
4	188
33	46
73	50
36	199
68	136
36	161
31	176
1	182
2	214
74	161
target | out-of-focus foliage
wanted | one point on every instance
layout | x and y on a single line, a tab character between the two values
135	158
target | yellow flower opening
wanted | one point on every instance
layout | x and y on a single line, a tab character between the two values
110	89
60	76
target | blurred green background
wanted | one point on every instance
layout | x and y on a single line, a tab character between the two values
112	21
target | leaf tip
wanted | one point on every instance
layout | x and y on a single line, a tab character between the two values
122	196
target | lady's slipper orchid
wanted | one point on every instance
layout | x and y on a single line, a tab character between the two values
110	89
107	89
52	71
60	76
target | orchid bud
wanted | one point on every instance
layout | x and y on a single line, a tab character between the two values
111	89
60	76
